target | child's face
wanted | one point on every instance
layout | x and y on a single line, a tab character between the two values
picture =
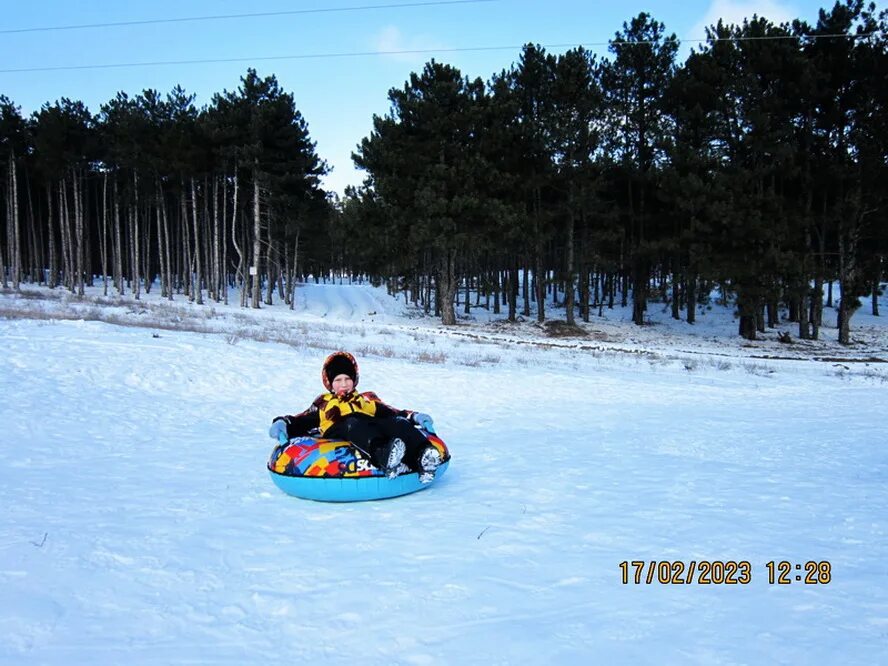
342	384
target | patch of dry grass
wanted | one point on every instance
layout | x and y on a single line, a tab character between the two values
561	329
431	357
757	369
369	350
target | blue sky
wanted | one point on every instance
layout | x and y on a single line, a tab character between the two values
337	95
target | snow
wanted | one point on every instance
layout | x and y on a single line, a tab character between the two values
139	524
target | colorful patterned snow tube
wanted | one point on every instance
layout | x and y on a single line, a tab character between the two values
332	470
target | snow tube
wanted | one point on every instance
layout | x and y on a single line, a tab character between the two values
333	470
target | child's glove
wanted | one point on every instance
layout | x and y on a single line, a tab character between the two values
424	421
278	431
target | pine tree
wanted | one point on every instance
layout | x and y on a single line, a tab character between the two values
424	162
576	113
643	64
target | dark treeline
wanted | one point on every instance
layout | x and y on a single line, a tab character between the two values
756	167
154	192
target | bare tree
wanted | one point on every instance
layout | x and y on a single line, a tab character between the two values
16	263
197	258
257	238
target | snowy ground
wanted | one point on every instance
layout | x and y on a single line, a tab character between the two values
139	524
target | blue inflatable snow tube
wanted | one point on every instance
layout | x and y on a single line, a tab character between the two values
328	470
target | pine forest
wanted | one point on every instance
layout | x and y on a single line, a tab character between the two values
756	171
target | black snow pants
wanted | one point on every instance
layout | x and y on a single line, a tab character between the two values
372	435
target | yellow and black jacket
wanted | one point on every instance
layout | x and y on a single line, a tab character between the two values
329	409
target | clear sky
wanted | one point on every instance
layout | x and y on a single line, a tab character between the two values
337	94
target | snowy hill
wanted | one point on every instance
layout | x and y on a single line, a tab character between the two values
139	524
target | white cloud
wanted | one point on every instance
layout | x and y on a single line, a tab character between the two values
415	48
734	11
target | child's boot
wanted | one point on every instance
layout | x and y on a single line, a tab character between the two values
428	464
396	451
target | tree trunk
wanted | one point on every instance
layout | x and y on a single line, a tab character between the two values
240	254
773	318
624	278
748	309
497	289
65	235
467	309
78	230
847	308
166	241
640	279
804	322
816	308
257	240
295	272
427	300
215	278
691	296
131	250
539	279
136	227
4	279
676	284
158	219
52	277
224	269
103	244
585	295
37	263
447	285
246	235
848	305
525	291
207	243
129	262
570	271
848	236
88	254
145	245
198	288
271	267
118	243
16	234
281	269
513	292
187	259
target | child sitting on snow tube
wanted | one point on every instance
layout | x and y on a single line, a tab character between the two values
384	434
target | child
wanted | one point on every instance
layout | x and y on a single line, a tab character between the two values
385	434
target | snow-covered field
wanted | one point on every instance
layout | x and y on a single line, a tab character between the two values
139	525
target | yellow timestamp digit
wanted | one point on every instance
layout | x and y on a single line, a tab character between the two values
778	572
638	565
818	572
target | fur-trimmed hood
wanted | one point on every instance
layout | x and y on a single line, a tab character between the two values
339	363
